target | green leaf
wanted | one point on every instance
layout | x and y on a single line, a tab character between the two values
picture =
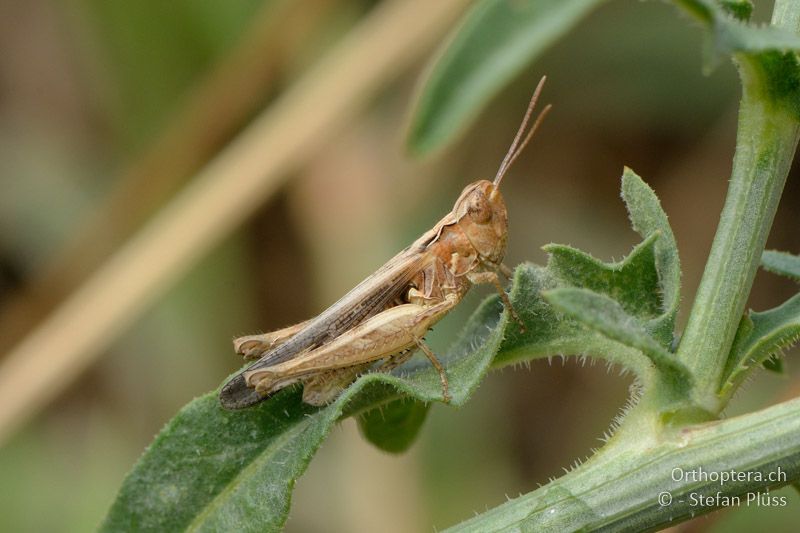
647	218
549	332
739	9
645	286
211	469
632	282
496	40
647	282
393	427
216	470
781	263
760	337
601	313
774	364
730	34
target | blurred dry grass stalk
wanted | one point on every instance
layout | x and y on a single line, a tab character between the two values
218	199
210	116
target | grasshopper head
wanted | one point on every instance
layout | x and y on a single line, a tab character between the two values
482	216
480	210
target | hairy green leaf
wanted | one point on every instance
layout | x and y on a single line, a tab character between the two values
647	217
496	40
739	9
760	337
394	426
632	282
647	282
644	286
549	332
216	470
731	34
774	363
781	263
605	315
210	469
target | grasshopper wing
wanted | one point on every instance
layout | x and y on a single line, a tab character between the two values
379	291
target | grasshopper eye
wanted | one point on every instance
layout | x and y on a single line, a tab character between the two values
478	208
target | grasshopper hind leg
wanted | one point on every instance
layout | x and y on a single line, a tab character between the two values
322	389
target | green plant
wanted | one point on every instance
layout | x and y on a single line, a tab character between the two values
215	470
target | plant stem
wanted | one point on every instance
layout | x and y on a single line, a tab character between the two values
633	486
786	15
765	145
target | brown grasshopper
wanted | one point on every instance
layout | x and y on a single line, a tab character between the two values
386	316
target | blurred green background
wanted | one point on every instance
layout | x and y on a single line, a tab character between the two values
90	91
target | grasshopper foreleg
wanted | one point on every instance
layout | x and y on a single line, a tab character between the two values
494	279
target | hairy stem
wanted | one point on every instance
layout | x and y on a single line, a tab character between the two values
636	486
765	145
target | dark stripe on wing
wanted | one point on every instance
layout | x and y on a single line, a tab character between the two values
366	299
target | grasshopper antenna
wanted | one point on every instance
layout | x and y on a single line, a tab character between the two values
517	148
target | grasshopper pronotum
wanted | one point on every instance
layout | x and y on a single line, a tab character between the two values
386	316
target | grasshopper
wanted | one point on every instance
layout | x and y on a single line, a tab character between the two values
385	317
